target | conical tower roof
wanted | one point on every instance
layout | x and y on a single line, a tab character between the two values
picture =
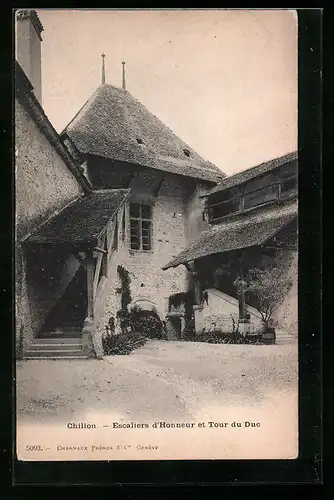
113	124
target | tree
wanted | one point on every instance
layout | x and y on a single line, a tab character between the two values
268	286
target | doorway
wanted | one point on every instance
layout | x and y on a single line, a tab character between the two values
173	326
70	311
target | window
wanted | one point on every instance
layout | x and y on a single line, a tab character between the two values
261	196
289	185
224	208
140	226
187	152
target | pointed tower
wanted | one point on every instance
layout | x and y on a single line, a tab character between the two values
123	76
103	69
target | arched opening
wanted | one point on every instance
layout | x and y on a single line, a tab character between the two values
147	322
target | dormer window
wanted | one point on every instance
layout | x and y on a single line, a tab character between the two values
187	152
140	141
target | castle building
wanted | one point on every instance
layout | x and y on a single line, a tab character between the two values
116	188
254	219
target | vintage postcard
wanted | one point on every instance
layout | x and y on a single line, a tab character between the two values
156	252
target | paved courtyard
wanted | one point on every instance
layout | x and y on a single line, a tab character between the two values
161	380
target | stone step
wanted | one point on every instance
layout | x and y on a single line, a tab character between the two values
60	334
54	358
54	353
57	340
55	346
286	341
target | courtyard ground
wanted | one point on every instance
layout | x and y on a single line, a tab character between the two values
237	401
160	380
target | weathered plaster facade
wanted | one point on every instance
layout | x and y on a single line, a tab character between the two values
150	285
286	316
220	308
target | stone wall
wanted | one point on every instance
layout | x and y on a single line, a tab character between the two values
286	316
220	308
150	285
195	223
43	186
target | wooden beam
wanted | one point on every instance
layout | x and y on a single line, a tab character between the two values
156	192
279	247
197	289
101	250
97	274
81	259
90	282
186	265
242	299
130	180
110	243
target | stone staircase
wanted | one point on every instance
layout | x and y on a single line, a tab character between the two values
285	338
59	344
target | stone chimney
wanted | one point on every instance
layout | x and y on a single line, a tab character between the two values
28	47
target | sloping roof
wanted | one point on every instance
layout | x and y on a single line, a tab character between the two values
252	172
243	232
82	221
112	120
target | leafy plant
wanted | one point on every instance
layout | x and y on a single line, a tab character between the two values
124	343
220	337
189	332
147	323
110	327
123	313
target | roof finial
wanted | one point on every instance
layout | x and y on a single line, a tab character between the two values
123	76
103	69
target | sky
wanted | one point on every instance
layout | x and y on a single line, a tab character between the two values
225	81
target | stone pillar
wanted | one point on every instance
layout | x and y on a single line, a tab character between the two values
198	313
170	330
88	347
183	324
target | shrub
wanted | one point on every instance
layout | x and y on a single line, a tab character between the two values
219	337
124	343
189	332
147	324
123	314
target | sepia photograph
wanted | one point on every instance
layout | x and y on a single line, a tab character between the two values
156	234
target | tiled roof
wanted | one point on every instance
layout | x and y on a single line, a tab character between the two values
252	172
113	124
244	232
82	221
